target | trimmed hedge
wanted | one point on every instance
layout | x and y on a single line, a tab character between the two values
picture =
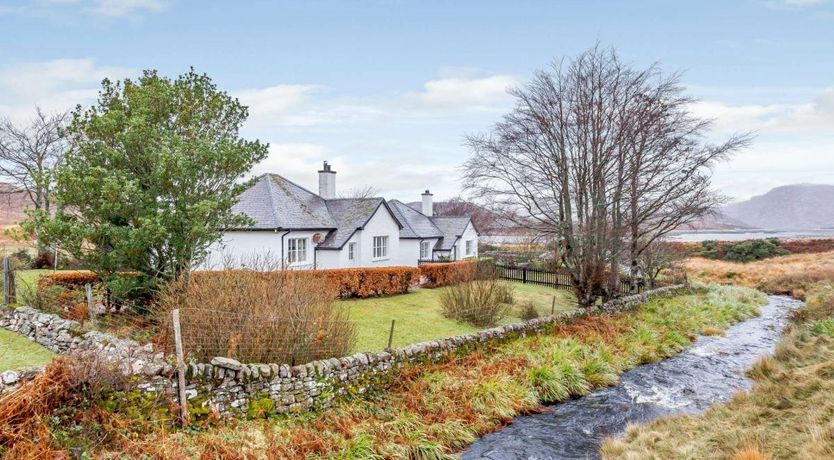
445	274
355	282
370	282
68	280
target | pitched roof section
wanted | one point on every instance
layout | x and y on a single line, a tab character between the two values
415	223
452	228
350	214
276	202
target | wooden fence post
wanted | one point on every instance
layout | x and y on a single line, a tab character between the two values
524	275
88	290
391	334
8	281
180	368
553	307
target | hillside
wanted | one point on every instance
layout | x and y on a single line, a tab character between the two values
790	207
13	205
716	221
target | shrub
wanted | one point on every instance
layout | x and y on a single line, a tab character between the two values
279	317
742	251
481	302
809	246
445	274
22	258
528	311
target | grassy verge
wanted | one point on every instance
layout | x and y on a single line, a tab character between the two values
788	414
418	316
434	410
17	352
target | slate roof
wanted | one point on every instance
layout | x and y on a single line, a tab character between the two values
350	214
275	202
415	223
452	229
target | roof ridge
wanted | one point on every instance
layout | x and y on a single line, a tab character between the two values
405	223
272	206
296	184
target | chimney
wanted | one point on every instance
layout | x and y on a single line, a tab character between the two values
327	182
428	205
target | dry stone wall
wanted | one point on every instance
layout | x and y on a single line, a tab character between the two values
228	387
65	336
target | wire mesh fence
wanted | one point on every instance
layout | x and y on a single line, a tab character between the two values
264	338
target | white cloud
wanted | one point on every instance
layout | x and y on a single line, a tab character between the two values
55	85
305	106
112	8
794	144
811	117
463	93
392	177
117	8
278	105
793	4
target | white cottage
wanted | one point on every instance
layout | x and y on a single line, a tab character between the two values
304	230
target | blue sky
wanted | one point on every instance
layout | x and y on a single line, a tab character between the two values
386	90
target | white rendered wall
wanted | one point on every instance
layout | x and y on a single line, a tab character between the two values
469	234
380	224
238	249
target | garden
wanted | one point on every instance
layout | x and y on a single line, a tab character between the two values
356	316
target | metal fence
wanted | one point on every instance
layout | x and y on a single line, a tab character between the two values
558	280
433	261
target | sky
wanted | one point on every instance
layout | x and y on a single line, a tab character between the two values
387	90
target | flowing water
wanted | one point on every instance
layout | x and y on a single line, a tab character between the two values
708	372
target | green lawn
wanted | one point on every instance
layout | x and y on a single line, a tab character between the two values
17	351
28	279
418	315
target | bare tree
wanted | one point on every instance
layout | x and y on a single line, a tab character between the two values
657	256
368	191
29	155
598	156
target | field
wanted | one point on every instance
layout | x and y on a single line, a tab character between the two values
792	274
788	414
17	352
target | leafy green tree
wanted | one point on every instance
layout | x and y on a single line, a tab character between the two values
151	176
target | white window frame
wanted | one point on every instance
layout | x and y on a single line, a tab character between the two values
296	251
380	247
352	251
469	246
425	250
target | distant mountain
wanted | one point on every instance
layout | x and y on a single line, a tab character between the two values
717	220
790	207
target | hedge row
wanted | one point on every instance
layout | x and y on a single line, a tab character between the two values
369	282
68	280
352	282
445	274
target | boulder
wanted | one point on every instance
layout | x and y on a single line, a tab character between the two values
226	363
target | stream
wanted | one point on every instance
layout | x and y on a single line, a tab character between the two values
710	371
